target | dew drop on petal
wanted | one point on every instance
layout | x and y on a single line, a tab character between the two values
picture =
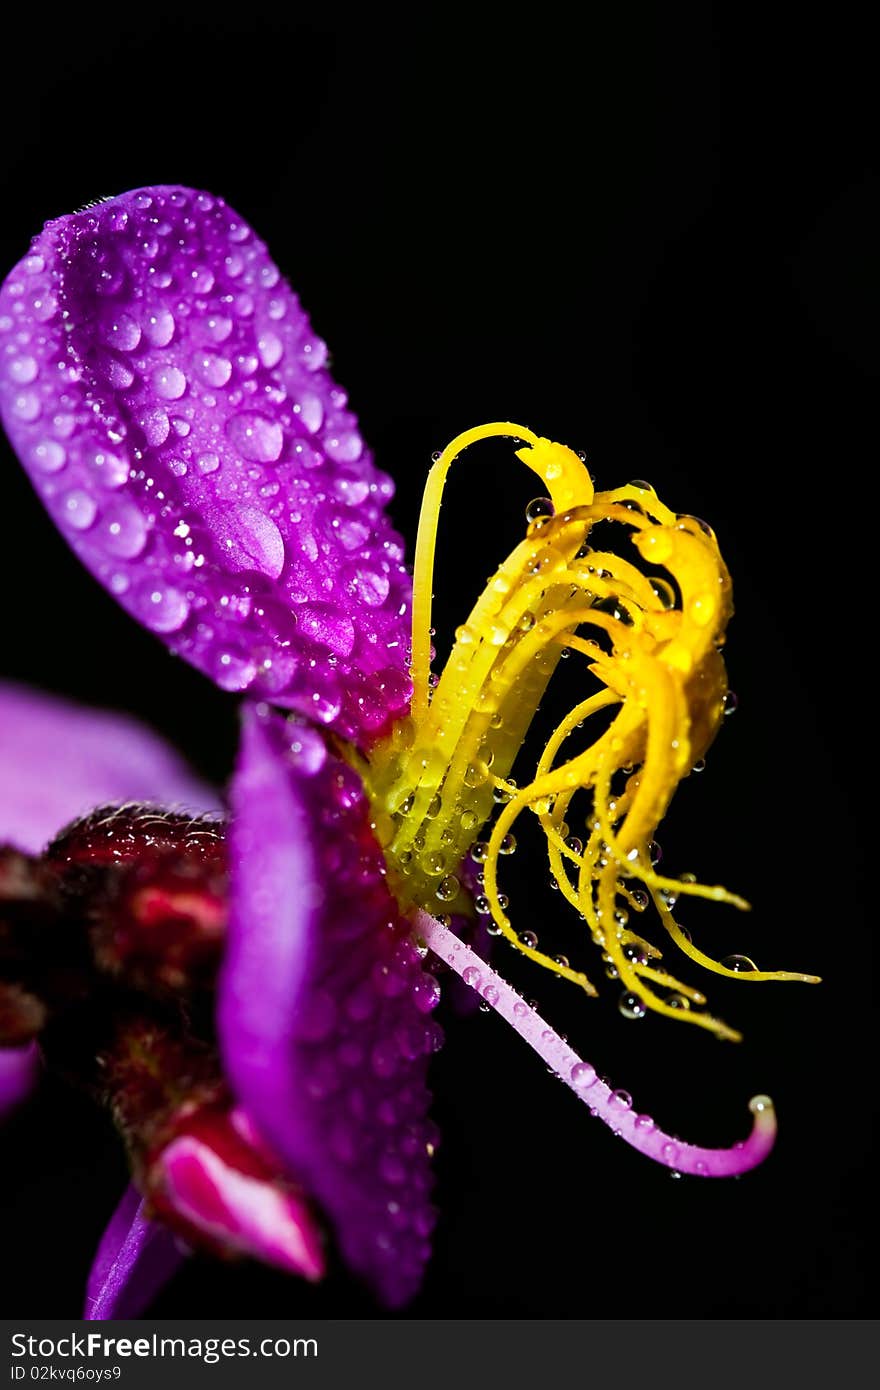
160	607
79	509
49	456
169	383
159	328
256	438
123	530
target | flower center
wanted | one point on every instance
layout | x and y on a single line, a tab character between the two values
649	627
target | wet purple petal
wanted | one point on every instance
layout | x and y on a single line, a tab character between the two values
167	395
19	1072
323	1013
60	760
134	1259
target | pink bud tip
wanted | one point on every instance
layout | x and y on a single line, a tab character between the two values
216	1189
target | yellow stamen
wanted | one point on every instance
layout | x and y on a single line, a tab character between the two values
652	646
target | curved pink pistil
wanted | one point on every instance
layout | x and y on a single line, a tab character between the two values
613	1107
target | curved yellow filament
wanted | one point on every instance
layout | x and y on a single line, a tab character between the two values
650	629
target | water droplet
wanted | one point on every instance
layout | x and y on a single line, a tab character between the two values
529	939
208	463
471	976
163	609
678	1001
643	1123
123	530
123	334
699	765
214	369
622	1100
490	994
23	370
539	507
169	383
256	438
703	609
270	348
159	328
740	965
582	1076
248	540
476	774
79	509
669	1152
664	592
632	1005
447	888
26	405
49	456
480	851
694	523
729	703
655	852
111	471
641	485
482	905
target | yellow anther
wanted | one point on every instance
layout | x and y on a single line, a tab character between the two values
652	650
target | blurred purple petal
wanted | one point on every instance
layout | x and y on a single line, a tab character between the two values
60	760
165	392
134	1259
19	1070
323	1002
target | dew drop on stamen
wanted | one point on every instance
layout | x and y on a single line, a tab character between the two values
447	888
582	1075
740	965
632	1006
539	507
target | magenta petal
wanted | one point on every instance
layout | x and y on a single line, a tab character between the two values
19	1070
60	760
134	1259
323	1002
165	392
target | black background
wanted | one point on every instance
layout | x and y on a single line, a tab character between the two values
653	238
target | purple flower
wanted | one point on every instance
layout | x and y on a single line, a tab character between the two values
258	993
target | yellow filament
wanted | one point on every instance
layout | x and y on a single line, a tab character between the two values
654	654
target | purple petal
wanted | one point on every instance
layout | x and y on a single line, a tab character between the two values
59	760
323	1002
134	1259
167	396
19	1071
